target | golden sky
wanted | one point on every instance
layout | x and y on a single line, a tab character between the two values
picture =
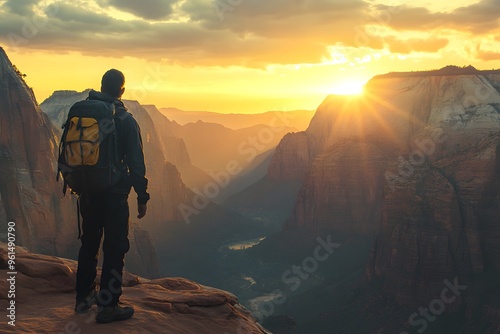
242	55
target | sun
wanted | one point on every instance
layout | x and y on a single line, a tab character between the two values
354	87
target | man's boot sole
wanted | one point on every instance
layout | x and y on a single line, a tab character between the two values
107	320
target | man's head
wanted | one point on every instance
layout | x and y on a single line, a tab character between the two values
113	83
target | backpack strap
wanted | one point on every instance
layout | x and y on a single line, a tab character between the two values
122	114
60	167
78	210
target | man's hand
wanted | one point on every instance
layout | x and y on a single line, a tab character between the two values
141	209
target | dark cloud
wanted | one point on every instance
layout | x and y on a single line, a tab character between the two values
254	34
408	18
20	7
251	33
482	17
69	13
281	18
147	9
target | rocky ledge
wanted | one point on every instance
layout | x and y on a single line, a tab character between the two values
44	300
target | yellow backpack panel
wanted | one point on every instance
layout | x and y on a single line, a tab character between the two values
82	140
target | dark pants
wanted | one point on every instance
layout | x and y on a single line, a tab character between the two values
106	213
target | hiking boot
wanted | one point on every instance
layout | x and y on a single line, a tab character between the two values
113	313
83	305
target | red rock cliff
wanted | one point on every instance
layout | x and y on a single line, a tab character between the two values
29	193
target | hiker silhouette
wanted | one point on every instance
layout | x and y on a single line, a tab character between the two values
106	211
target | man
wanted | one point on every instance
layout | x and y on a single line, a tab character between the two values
108	212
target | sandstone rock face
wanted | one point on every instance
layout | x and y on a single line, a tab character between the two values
29	193
168	305
415	161
344	188
438	214
293	157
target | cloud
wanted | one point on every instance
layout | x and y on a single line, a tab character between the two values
146	9
20	7
290	19
488	55
410	18
254	34
66	14
481	17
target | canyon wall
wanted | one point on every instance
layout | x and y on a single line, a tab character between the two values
29	194
414	162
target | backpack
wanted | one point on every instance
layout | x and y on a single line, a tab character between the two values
88	152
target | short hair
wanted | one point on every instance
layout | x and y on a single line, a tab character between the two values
112	83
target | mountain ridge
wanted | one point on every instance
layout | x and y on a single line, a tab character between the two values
447	70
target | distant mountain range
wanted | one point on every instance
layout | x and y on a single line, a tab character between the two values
199	148
298	119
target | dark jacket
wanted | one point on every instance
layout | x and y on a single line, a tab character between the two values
130	150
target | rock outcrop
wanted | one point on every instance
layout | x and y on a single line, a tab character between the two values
45	300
